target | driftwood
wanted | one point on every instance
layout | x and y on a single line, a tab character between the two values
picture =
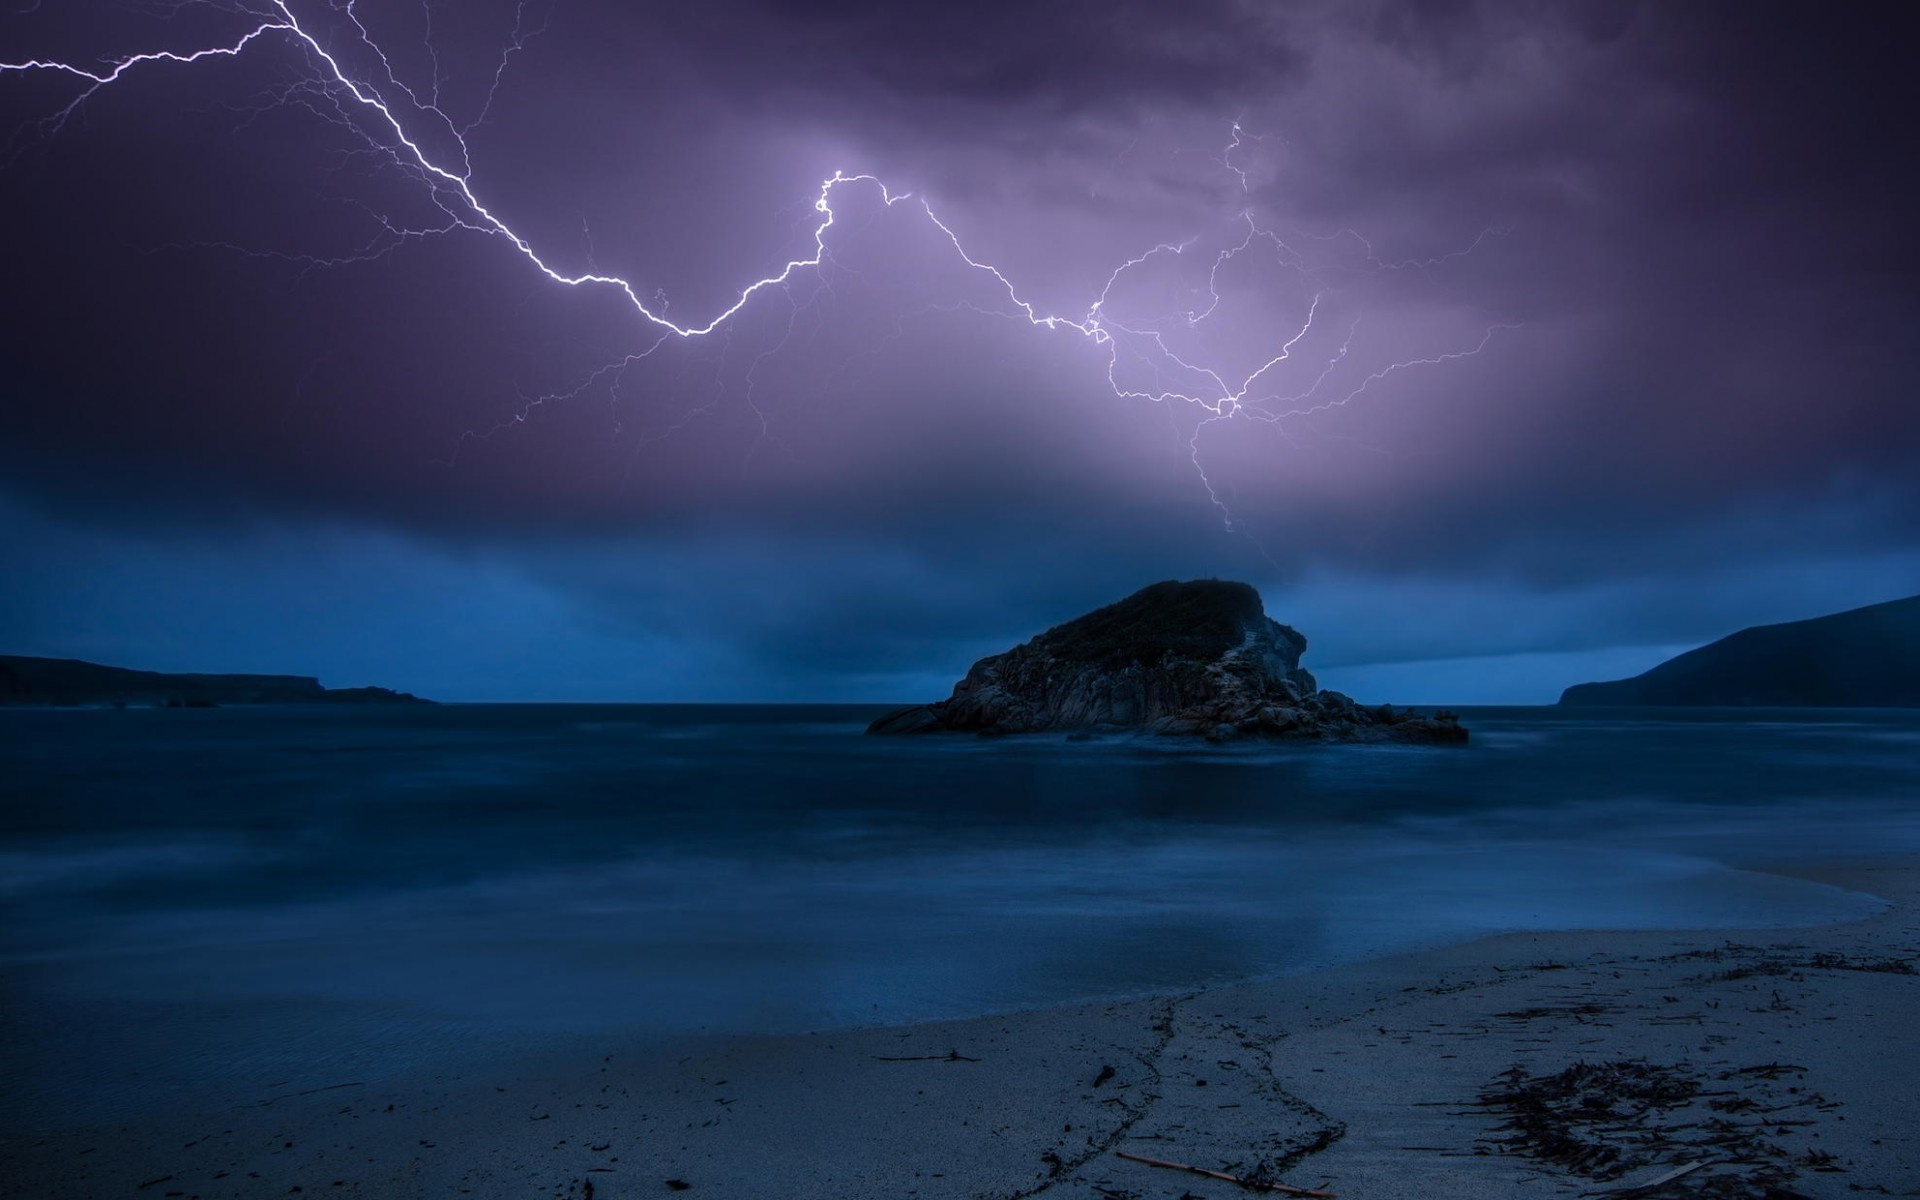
1665	1177
332	1087
1285	1189
949	1056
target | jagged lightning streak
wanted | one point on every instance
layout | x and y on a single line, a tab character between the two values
480	218
450	187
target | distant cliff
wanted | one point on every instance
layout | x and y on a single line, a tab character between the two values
68	682
1199	658
1864	658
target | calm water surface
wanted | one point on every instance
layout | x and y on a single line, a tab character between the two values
198	902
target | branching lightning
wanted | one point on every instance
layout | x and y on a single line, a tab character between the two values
399	123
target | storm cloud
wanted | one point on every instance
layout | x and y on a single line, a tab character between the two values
1676	239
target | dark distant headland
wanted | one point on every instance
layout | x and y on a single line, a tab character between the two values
1198	659
70	683
1863	658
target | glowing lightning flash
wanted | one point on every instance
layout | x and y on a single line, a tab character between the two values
451	188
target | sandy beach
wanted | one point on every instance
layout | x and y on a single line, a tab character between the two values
1781	1061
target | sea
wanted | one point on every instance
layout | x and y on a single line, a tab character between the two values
194	903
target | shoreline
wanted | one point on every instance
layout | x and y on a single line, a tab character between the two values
1369	1079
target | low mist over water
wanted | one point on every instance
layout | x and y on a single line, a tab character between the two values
192	898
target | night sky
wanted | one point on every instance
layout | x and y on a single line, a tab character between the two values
275	399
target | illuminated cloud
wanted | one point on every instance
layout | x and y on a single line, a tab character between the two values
1672	243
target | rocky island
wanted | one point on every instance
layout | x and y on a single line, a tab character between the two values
1198	659
72	683
1862	658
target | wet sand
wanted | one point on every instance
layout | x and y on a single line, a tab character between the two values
1786	1062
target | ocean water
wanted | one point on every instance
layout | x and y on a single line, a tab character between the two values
194	903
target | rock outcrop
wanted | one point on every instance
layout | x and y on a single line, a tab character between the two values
1197	659
1862	658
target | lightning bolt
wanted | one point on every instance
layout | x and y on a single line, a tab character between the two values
385	125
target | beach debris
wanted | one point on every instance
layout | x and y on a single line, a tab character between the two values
678	1185
1576	1012
1771	1070
1633	1188
1255	1184
332	1087
1106	1073
1760	962
1609	1120
949	1056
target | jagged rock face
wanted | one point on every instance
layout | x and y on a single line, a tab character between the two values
1199	658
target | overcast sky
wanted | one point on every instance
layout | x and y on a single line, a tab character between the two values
1595	328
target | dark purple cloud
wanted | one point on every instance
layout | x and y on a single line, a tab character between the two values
1694	218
